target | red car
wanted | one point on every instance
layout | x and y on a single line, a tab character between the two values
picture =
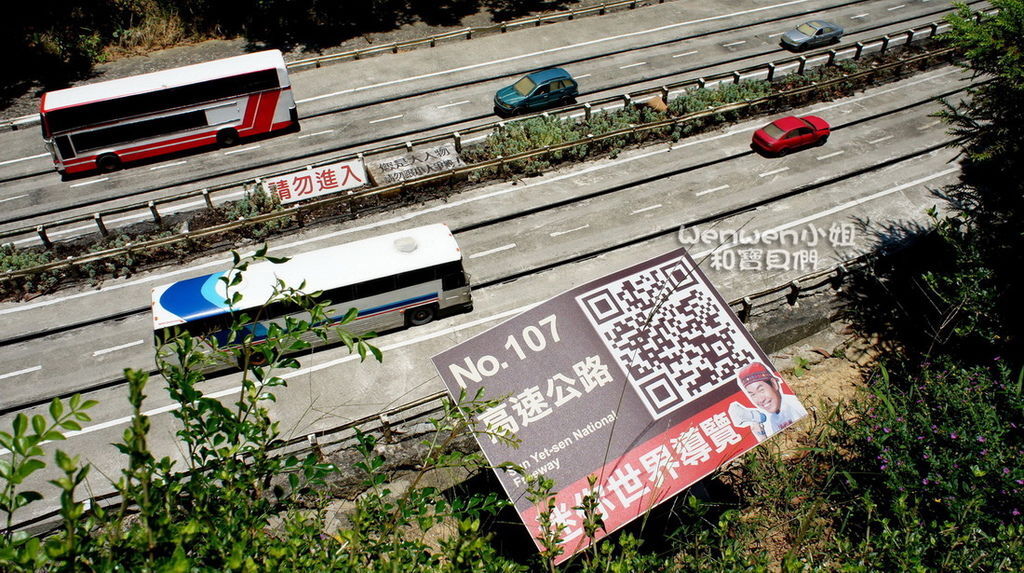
786	133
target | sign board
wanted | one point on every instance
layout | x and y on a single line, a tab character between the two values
317	182
644	379
420	163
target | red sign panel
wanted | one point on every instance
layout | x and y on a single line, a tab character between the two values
317	182
644	379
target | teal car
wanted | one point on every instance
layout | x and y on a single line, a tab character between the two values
552	87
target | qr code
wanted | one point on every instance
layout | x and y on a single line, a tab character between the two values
669	333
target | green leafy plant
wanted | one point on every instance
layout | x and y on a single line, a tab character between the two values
800	366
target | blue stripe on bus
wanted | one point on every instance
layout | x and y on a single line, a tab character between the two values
192	299
259	331
393	306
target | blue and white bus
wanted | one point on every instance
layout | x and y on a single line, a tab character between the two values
401	279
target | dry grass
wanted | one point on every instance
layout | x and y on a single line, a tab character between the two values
155	29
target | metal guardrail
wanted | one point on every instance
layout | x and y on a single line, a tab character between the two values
469	33
858	49
297	211
466	33
385	423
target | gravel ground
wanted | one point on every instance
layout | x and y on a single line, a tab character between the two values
214	49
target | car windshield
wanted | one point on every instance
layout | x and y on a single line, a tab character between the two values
806	29
773	130
524	86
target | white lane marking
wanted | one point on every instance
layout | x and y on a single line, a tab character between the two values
633	65
645	209
10	161
929	125
83	184
243	150
166	165
880	139
399	116
507	313
859	16
824	157
492	251
533	55
324	132
706	191
116	348
776	34
560	233
690	53
13	198
731	44
453	104
833	210
18	373
583	76
896	7
773	172
389	222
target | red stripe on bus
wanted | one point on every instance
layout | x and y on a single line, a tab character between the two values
259	116
145	151
401	308
267	111
251	105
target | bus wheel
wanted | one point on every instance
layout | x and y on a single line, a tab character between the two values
420	315
108	162
227	137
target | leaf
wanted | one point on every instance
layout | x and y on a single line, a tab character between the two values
56	409
27	497
28	467
71	425
377	354
350	315
64	461
38	424
20	424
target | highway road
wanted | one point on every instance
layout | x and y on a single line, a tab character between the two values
352	106
877	175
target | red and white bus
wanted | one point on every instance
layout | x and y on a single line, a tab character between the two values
103	125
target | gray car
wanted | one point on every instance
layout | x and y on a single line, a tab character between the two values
812	34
